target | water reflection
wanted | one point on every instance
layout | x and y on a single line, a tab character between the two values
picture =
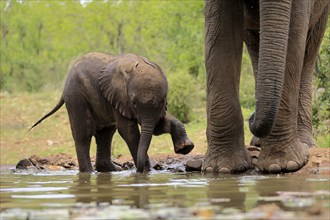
164	189
110	188
283	191
226	193
82	188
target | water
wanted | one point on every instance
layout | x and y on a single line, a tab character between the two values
162	195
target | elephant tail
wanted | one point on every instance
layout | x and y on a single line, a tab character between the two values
57	107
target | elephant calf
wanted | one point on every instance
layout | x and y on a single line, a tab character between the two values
104	93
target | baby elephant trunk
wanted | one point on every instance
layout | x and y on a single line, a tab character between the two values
147	130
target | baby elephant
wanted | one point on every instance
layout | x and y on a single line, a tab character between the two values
104	93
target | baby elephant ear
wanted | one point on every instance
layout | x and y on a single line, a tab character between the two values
126	66
112	82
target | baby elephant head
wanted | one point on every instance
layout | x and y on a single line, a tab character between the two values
137	89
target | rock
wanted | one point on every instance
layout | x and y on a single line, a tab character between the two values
128	165
194	165
169	160
155	165
176	168
54	162
24	164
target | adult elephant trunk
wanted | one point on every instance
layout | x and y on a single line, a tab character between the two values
147	129
274	31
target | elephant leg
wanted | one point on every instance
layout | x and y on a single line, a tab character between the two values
81	127
129	131
171	125
252	39
103	155
314	38
282	151
226	152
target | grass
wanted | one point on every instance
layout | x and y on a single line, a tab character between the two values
20	111
53	135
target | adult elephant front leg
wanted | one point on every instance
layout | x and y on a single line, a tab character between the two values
226	152
281	149
314	39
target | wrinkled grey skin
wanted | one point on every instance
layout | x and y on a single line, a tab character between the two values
283	38
104	93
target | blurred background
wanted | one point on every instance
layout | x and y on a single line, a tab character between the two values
40	39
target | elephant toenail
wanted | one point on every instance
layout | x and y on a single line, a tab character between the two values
209	170
274	168
292	166
224	170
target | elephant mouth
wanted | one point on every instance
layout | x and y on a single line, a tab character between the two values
184	148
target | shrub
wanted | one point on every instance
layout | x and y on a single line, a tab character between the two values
182	92
321	96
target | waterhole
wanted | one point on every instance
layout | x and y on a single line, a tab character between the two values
161	195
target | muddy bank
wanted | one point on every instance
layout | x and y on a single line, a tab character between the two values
319	162
176	163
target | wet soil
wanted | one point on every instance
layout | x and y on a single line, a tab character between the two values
319	162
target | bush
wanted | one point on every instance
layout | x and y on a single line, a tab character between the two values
321	99
182	92
247	83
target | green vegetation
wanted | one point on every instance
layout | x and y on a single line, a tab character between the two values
39	40
182	95
321	97
20	110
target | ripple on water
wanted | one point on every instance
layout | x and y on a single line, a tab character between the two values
44	196
33	189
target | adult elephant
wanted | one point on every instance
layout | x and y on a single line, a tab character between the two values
283	38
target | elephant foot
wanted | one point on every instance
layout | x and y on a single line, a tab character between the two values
184	147
217	160
147	166
85	167
107	166
283	159
86	170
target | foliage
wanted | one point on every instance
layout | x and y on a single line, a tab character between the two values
41	38
182	92
247	83
321	99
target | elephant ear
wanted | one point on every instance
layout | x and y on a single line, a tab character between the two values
113	80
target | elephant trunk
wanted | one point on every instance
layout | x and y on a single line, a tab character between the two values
147	130
274	31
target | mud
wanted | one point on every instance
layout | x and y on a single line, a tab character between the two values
319	162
